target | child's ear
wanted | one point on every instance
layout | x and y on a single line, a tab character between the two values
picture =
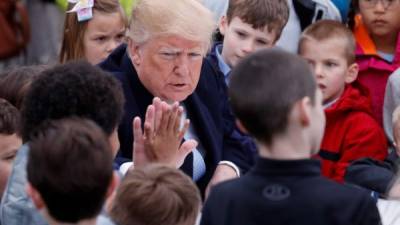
304	111
134	52
352	72
223	25
240	126
35	196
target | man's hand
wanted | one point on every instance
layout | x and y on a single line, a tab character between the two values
222	173
162	137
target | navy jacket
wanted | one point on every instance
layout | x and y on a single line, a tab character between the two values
207	109
290	192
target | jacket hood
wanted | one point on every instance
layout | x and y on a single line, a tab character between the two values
355	97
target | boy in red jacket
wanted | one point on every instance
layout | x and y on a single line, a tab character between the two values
351	132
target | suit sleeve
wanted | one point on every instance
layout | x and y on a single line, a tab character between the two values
365	139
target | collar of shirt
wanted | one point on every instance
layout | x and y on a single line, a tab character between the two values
225	69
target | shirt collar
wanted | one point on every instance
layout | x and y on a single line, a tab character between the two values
225	69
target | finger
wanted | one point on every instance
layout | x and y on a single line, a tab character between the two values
166	113
150	118
178	119
157	103
173	117
184	129
148	131
137	129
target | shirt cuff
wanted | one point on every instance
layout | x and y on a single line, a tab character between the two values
232	165
125	167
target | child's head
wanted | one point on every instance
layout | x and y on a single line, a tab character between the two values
73	89
156	195
96	38
381	17
280	101
329	48
70	170
15	82
250	25
10	141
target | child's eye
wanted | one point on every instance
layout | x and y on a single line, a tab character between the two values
330	64
120	37
241	34
262	42
100	38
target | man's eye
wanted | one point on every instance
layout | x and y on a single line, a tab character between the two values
194	55
330	64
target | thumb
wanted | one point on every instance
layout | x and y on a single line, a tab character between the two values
187	147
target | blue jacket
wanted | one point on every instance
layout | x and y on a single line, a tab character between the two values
207	109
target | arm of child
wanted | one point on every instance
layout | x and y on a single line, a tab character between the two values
365	138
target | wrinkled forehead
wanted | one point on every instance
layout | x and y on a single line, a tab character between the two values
175	43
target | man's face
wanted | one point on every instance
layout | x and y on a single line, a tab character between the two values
329	63
9	144
168	66
241	39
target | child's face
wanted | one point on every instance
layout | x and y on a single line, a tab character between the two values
9	144
241	39
381	19
105	31
329	64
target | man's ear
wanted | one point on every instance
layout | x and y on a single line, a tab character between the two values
35	196
134	52
304	111
240	126
352	72
223	25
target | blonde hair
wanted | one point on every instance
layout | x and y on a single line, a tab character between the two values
186	18
328	30
74	31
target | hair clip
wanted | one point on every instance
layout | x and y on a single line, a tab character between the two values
83	9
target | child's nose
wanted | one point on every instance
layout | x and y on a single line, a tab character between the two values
248	46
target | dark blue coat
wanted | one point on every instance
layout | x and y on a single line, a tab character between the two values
207	109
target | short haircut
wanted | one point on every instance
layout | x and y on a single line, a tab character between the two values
72	45
70	165
14	83
73	89
327	30
260	13
156	195
9	118
263	103
185	18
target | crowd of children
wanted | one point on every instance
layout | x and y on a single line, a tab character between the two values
291	114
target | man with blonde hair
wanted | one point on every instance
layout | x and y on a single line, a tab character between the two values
167	42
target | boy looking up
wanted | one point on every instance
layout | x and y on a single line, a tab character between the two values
351	132
282	109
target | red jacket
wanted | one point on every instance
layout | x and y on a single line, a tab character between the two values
350	133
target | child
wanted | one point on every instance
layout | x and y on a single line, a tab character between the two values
15	83
376	29
282	109
10	140
156	195
351	132
93	38
249	25
61	184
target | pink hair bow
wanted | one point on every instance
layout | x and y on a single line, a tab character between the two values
83	9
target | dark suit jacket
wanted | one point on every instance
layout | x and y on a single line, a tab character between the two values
206	108
291	192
